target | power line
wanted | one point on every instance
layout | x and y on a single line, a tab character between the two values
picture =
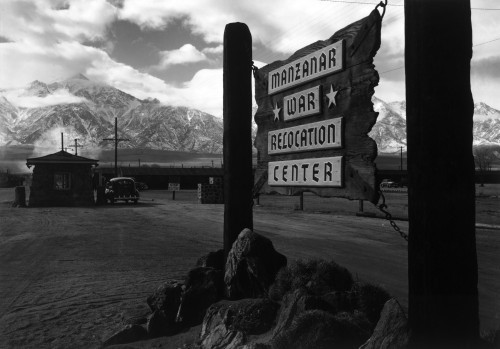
402	5
387	71
486	42
361	3
393	69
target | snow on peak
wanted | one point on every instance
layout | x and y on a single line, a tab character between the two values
483	111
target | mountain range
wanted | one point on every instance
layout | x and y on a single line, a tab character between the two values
390	130
85	110
89	117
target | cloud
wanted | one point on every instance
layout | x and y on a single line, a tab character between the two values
213	50
268	21
184	55
486	68
45	21
61	96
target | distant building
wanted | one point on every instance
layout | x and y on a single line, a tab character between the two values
61	179
160	177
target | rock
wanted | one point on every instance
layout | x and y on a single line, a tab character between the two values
131	333
254	316
160	325
167	299
251	266
391	331
229	322
320	330
370	299
212	260
203	287
246	316
317	276
216	331
295	303
338	301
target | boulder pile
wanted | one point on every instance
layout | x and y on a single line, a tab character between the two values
254	300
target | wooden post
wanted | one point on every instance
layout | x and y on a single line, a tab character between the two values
361	208
173	195
116	146
301	201
442	261
116	140
238	179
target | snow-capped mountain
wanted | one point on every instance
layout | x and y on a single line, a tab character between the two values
86	110
390	130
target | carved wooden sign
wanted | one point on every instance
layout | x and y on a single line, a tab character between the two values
314	115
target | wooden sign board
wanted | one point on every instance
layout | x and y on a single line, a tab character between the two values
174	186
314	115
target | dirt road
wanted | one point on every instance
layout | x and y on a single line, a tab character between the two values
72	276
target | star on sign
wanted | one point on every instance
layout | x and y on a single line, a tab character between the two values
331	96
276	111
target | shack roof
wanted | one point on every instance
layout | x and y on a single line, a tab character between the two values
61	157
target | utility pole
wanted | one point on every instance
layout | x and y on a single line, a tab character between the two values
76	146
442	258
62	142
401	167
116	140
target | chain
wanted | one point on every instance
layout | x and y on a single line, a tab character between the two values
382	207
254	70
383	5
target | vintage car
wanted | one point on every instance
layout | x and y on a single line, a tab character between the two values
387	183
121	188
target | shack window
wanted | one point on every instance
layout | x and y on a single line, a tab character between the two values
62	181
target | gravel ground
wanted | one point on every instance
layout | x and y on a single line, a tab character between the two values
70	277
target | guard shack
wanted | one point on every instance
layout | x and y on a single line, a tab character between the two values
61	179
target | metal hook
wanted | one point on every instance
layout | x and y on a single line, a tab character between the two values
383	5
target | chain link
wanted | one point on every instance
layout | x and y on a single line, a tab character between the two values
382	207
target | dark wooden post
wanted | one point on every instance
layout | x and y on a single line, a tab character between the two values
442	261
238	179
116	146
301	201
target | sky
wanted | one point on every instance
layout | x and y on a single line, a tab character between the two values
172	49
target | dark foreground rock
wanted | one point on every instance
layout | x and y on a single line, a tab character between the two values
204	286
251	266
160	325
228	323
131	333
212	260
391	331
294	304
166	298
321	330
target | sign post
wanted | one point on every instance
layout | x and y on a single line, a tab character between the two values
173	187
314	114
237	140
